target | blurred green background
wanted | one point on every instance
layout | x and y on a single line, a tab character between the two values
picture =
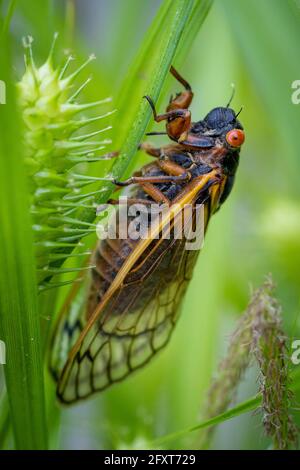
255	45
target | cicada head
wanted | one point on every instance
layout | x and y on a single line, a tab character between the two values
223	123
222	119
225	134
217	122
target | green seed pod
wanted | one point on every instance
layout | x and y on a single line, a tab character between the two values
50	118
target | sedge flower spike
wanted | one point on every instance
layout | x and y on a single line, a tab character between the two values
54	145
260	336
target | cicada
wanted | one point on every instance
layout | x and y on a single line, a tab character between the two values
127	308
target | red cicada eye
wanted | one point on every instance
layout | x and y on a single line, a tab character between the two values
235	137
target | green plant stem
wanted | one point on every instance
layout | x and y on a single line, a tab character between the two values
133	86
4	420
19	318
244	407
8	17
197	17
70	13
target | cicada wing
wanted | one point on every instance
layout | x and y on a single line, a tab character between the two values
135	323
69	325
135	315
124	339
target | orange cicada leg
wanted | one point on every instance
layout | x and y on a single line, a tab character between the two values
177	115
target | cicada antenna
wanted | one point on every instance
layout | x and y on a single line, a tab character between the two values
232	95
239	112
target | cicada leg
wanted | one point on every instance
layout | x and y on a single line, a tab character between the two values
174	174
177	115
150	149
181	178
178	120
166	165
109	155
182	100
116	202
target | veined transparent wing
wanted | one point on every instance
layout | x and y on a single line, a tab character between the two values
133	320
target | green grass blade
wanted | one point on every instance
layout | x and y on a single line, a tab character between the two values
10	11
243	407
147	78
4	420
132	87
19	316
148	75
172	29
197	17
